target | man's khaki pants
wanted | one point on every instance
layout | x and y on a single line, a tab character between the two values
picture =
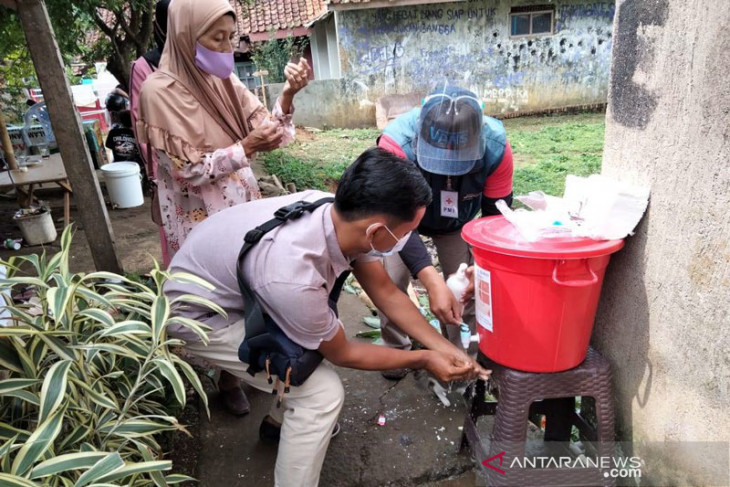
308	413
452	251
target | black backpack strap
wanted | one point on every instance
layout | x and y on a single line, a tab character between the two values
337	290
252	312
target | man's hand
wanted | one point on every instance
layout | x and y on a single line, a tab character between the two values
452	366
479	371
264	138
441	300
446	367
444	304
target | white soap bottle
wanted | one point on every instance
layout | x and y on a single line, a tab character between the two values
457	283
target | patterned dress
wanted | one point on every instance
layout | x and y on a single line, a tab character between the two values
188	193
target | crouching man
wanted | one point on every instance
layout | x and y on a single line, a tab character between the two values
291	272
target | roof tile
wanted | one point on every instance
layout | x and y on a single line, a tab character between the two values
263	15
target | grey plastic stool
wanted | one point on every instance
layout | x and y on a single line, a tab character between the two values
521	395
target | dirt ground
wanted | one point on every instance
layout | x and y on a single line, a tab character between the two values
136	236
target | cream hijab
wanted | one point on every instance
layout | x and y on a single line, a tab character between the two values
184	111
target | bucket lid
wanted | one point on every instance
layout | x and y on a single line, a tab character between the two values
496	234
120	168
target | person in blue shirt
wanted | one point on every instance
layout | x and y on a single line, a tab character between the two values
467	161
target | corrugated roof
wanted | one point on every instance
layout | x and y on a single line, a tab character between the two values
265	15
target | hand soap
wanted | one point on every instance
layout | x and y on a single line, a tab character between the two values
458	282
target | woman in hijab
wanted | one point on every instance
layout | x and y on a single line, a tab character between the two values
204	127
201	122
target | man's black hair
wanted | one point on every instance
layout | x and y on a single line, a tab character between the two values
381	183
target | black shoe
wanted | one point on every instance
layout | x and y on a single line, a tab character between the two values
235	401
270	433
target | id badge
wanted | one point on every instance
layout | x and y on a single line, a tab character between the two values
450	204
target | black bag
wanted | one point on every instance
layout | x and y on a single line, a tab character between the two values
266	346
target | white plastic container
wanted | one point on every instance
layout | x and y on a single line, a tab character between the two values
124	184
37	229
458	282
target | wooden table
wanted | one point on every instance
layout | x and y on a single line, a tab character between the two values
50	170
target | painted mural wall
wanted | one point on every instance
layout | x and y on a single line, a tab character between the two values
411	49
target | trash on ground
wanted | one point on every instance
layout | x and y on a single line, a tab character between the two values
12	244
31	211
372	321
439	391
368	334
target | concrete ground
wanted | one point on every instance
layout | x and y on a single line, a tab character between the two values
418	445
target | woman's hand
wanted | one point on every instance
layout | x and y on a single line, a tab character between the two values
264	138
297	77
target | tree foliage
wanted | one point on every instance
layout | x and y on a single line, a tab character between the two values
16	67
127	27
87	31
272	55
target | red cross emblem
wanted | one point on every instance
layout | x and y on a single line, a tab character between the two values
449	201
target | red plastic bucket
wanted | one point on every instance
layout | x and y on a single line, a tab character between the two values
535	301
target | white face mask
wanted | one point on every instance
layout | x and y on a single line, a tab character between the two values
399	243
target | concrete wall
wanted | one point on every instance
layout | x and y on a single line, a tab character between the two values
334	103
411	48
664	318
325	57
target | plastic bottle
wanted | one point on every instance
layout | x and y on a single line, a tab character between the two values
11	244
458	282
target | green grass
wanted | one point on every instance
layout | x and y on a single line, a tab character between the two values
546	149
317	160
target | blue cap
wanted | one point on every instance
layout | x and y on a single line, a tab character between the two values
449	140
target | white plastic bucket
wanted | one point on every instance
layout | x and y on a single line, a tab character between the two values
37	229
123	183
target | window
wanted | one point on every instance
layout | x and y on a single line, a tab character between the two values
531	20
244	71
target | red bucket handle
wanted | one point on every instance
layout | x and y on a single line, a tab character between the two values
577	282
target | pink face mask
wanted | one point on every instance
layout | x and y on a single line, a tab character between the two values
219	64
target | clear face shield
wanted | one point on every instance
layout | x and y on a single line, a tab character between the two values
449	138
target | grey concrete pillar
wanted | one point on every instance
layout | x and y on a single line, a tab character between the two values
664	318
